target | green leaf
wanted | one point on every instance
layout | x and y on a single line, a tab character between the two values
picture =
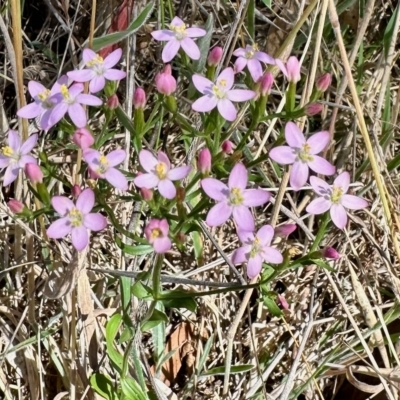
139	250
236	369
325	265
132	390
112	38
251	18
155	318
204	44
267	3
141	291
103	386
393	164
389	31
181	302
272	306
111	332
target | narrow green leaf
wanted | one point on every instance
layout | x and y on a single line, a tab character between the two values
139	250
103	386
204	44
236	369
251	18
140	291
111	332
181	302
156	317
132	390
389	31
272	306
267	3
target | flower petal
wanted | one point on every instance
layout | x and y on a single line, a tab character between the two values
227	109
272	255
202	84
218	214
89	100
215	189
238	177
29	144
88	55
170	50
342	181
339	215
195	32
95	222
320	186
319	206
32	110
26	160
240	255
164	227
281	65
112	59
294	136
77	115
298	175
59	228
240	52
114	74
283	155
162	245
318	141
83	75
240	95
148	181
255	69
240	64
190	48
85	201
265	235
58	113
14	141
4	161
116	157
254	266
163	35
255	197
116	178
353	202
321	166
162	157
62	204
226	78
147	160
11	174
243	218
80	237
167	189
176	21
179	173
246	237
264	57
35	88
205	103
97	84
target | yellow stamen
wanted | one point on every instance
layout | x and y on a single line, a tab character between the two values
236	197
222	82
95	61
178	29
161	170
103	164
218	92
7	151
76	217
337	193
155	233
255	249
44	95
304	153
64	91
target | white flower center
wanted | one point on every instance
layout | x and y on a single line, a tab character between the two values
103	165
336	195
9	152
255	248
65	93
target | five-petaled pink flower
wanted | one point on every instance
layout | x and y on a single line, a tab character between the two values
104	166
219	94
70	101
335	199
177	36
302	154
16	155
252	57
256	249
43	102
159	173
98	70
156	233
76	219
234	199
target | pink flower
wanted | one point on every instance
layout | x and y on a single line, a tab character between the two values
104	166
204	161
227	146
16	155
113	102
234	199
256	249
156	233
70	101
98	70
179	36
266	82
283	302
139	99
251	57
83	138
15	206
33	173
76	219
313	109
159	173
302	154
219	94
330	252
335	199
291	69
215	56
323	82
43	102
285	229
165	82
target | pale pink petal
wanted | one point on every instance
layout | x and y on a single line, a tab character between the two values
240	255
11	174
26	160
112	59
254	266
116	157
164	227
148	181
35	88
163	35
76	89
255	69
89	100
321	166
272	255
162	157
243	218
241	52
167	189
88	55
218	214
226	78
240	64
320	186
339	215
319	206
116	178
202	84
62	204
205	103
342	181
84	75
179	173
114	74
283	155
238	177
59	228
195	32
240	95
281	65
14	141
85	201
176	21
264	57
45	120
95	222
92	156
170	50
32	110
318	141
265	235
285	229
190	48
29	144
97	84
227	109
162	245
246	237
294	136
58	113
4	161
298	175
79	237
353	202
215	189
77	115
255	197
147	160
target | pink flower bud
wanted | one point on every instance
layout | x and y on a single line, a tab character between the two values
227	147
15	206
266	83
34	173
282	301
165	82
204	161
313	109
113	102
83	138
139	99
76	191
285	230
291	69
323	82
330	252
214	57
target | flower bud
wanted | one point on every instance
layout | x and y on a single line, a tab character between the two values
323	82
139	99
214	57
283	302
15	206
76	191
285	230
227	147
83	138
266	83
113	102
204	161
165	82
34	173
330	252
313	109
293	69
